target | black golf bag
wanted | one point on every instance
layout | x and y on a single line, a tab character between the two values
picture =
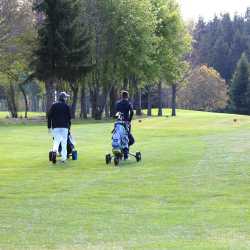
70	148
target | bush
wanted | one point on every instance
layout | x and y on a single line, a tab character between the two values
205	90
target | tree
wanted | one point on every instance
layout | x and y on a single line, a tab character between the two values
148	88
15	53
10	19
173	44
99	17
239	94
179	78
198	33
50	48
205	90
62	52
76	63
83	101
221	40
123	33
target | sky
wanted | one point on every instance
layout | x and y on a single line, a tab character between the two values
192	9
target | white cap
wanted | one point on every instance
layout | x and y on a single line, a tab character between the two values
63	95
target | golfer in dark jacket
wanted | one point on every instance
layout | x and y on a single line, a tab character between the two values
59	120
125	107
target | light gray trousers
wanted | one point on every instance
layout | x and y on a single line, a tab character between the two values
60	136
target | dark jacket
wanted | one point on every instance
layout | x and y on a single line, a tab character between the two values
126	108
59	116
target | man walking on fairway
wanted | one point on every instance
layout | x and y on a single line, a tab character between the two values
59	120
125	107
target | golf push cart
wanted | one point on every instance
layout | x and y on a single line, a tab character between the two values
71	151
122	139
118	155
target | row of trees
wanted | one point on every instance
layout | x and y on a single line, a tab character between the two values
224	44
220	43
16	36
93	48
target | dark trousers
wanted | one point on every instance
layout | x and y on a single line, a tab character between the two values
131	139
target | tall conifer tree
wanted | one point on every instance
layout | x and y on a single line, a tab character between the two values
239	86
62	52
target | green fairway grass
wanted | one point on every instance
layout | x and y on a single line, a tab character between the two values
191	190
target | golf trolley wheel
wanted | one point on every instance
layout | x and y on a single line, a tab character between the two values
138	156
108	159
53	157
117	161
50	155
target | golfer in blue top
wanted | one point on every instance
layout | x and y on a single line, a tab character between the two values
126	109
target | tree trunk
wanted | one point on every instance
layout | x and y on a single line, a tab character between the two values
25	101
98	103
75	91
113	97
138	107
149	112
50	94
44	103
160	98
174	90
37	100
84	112
34	103
96	110
132	89
107	109
93	96
125	84
11	101
11	108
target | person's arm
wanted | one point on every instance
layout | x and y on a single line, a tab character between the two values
50	114
117	108
69	117
131	112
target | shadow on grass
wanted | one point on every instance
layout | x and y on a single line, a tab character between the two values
125	164
59	166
